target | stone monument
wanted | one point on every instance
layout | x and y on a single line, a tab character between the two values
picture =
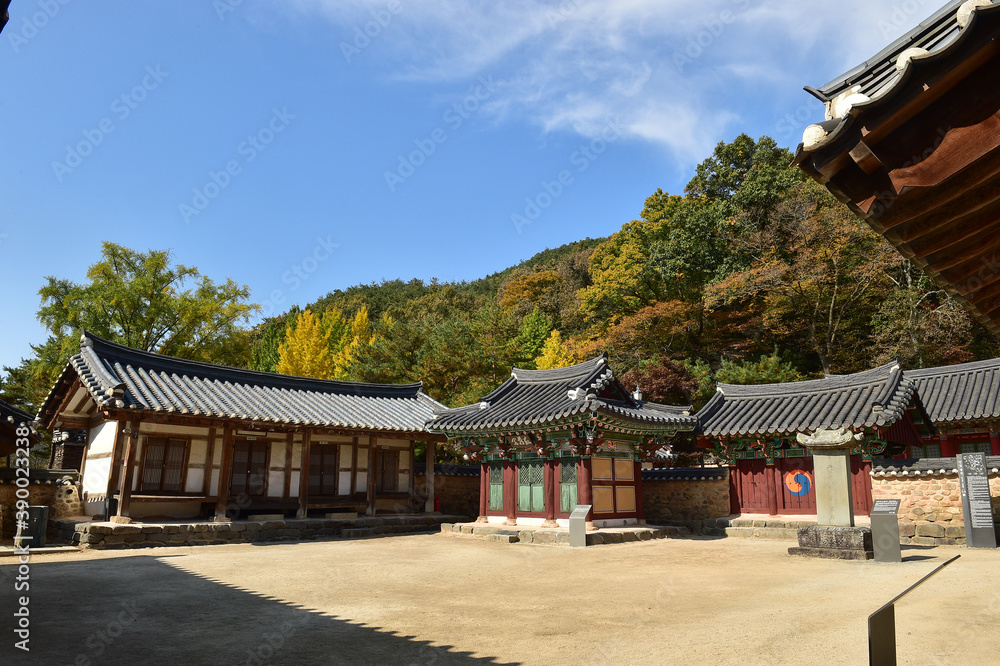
834	536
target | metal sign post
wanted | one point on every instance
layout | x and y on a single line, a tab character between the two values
578	525
885	530
977	505
882	626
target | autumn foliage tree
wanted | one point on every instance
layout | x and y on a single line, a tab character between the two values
306	349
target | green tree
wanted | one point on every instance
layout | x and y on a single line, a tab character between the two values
766	370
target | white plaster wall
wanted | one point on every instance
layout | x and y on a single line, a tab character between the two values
213	489
102	437
278	454
195	480
346	455
404	464
97	471
275	483
363	459
293	481
344	484
362	482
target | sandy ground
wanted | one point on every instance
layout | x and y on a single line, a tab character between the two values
435	599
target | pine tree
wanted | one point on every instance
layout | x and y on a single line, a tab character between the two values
306	349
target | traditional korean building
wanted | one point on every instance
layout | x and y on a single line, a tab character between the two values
173	438
10	419
911	143
547	440
753	429
963	403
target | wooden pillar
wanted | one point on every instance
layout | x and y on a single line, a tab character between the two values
994	442
770	472
225	472
206	486
510	491
128	470
551	494
304	476
413	473
949	448
640	506
429	477
484	492
584	489
289	445
116	459
372	473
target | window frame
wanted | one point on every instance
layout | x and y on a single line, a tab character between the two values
168	442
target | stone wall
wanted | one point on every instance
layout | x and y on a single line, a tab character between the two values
44	490
930	512
685	496
457	486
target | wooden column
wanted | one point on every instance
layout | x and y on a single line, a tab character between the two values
484	492
994	442
128	469
289	445
429	477
640	506
413	473
585	489
116	458
225	472
551	494
510	491
949	448
372	474
304	475
770	472
206	486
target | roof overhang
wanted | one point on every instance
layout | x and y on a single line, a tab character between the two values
920	162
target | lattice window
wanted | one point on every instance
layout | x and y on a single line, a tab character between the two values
567	471
163	465
496	486
567	485
975	447
531	485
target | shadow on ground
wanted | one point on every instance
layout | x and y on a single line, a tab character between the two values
145	610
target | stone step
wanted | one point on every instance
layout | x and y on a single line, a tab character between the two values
786	533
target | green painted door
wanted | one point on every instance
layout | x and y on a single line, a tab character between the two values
567	484
531	486
496	486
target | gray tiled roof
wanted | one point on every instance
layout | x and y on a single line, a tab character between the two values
875	397
534	398
878	78
119	377
967	391
11	414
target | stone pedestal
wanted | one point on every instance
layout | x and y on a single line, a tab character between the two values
838	543
835	535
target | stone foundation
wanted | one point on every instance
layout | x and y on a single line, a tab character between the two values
560	537
834	543
930	512
107	535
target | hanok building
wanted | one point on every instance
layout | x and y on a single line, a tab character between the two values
912	145
547	440
963	403
753	429
173	438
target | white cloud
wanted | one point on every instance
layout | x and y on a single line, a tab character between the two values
660	68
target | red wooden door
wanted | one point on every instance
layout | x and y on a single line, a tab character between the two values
861	485
752	486
795	486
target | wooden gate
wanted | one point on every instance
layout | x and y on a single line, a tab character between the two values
788	487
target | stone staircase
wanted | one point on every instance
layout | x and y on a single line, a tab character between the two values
560	537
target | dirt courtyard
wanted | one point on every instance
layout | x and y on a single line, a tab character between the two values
435	599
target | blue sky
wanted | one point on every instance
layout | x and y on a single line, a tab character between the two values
306	145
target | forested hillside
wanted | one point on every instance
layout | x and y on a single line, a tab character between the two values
752	274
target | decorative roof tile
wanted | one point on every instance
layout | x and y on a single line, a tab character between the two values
119	377
533	398
876	397
12	415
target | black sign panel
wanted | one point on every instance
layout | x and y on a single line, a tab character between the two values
977	505
885	530
883	506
